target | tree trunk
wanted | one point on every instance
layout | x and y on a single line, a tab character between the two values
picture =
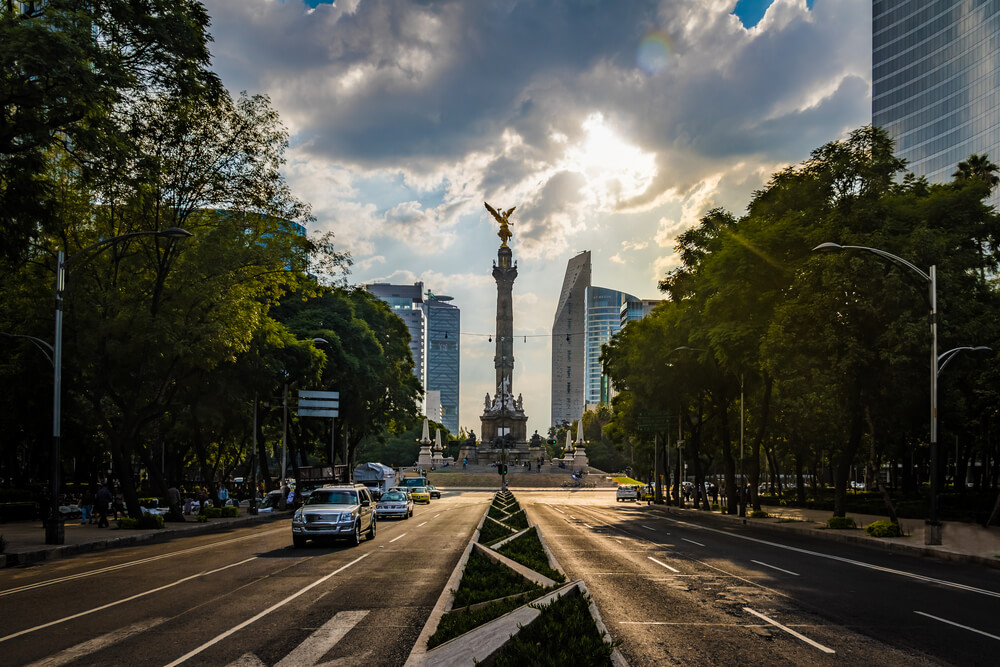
800	482
265	470
889	507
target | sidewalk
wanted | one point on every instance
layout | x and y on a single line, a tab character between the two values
26	539
961	542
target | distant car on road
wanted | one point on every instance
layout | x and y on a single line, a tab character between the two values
342	512
270	502
433	490
394	503
626	492
420	494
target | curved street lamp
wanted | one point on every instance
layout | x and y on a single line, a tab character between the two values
54	528
932	530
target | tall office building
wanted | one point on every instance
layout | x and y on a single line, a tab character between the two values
636	310
434	327
443	354
407	302
602	319
936	81
569	341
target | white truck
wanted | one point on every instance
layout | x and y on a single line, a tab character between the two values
376	476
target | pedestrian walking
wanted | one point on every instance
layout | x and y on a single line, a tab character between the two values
87	508
103	501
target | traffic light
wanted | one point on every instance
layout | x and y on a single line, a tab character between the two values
502	468
552	441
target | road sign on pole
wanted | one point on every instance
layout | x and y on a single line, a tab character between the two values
319	404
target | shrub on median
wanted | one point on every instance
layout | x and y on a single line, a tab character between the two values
563	634
841	523
458	623
484	580
759	514
518	521
528	551
884	528
493	532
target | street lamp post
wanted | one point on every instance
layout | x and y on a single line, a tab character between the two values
932	530
54	528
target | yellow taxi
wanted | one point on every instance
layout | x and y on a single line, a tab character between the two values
420	494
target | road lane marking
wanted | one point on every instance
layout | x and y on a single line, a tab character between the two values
787	629
588	525
396	538
436	516
264	613
557	509
958	625
421	524
646	527
692	542
320	642
672	569
849	561
775	567
96	644
112	568
572	517
122	601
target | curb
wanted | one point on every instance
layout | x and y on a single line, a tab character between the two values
857	537
54	552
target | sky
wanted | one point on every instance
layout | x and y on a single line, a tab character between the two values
612	126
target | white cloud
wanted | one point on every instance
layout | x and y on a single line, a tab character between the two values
405	116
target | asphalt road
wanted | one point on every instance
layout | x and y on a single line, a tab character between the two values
246	597
684	591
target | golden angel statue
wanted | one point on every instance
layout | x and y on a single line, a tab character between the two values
501	217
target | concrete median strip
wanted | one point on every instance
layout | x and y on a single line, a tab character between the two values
484	642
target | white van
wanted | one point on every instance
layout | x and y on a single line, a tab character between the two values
626	492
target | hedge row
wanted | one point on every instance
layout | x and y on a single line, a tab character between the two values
528	551
493	532
563	634
483	581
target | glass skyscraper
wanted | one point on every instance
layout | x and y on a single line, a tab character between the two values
602	321
443	353
936	81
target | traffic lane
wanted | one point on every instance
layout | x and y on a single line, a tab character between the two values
83	591
381	602
679	615
274	550
89	564
928	608
210	611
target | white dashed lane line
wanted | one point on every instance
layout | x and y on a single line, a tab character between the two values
692	542
787	629
958	625
779	569
672	569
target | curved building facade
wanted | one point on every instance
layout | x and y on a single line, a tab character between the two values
936	81
603	320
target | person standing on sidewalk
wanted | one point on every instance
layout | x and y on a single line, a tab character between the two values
103	501
87	508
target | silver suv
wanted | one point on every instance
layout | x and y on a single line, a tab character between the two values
342	512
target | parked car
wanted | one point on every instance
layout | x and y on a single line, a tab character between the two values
271	502
420	494
340	511
626	492
433	491
394	503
